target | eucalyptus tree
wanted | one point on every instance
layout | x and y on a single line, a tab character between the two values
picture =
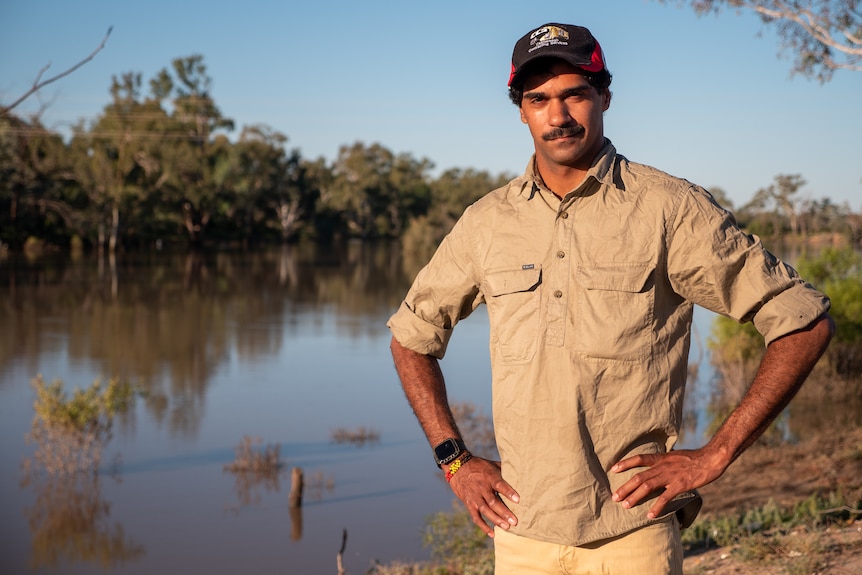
784	193
117	156
451	192
266	183
457	188
375	192
192	148
823	215
822	36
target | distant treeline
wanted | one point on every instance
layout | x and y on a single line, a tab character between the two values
159	170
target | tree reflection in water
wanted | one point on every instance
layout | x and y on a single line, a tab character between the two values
69	520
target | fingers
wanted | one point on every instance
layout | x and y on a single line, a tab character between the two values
496	513
490	508
667	474
659	504
507	491
638	488
480	487
477	519
632	462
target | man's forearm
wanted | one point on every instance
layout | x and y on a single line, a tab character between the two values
423	384
480	485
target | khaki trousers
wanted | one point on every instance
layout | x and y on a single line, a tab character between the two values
652	550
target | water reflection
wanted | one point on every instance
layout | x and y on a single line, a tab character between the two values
170	322
70	522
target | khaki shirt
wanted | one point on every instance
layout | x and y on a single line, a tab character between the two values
590	305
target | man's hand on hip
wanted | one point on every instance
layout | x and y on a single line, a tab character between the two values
675	472
480	486
785	365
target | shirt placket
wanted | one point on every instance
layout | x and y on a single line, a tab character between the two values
559	263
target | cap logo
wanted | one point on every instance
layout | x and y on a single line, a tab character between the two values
548	36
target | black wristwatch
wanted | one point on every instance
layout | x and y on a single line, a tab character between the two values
448	451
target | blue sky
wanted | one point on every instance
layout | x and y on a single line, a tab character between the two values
707	99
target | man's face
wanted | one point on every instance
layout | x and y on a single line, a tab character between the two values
564	115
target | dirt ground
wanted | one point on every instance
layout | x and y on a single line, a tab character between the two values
788	474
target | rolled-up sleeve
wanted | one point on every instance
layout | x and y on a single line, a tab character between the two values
712	263
444	292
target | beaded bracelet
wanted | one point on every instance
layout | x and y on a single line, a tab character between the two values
457	464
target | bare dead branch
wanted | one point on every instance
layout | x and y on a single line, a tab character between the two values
339	557
38	83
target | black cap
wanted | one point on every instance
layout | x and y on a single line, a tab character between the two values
574	44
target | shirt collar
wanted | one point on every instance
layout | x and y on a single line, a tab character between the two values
601	171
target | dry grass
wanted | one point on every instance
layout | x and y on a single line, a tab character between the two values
255	468
250	458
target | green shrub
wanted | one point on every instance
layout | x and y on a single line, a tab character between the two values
72	431
838	273
87	410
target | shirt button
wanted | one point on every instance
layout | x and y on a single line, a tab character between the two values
564	215
561	254
558	293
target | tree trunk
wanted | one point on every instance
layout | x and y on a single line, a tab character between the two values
115	228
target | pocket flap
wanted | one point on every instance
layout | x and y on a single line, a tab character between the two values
626	277
515	280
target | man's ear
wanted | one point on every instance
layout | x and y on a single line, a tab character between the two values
523	117
606	100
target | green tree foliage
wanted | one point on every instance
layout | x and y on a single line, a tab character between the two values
196	151
265	184
375	192
737	348
457	543
36	198
72	431
821	35
156	167
117	160
451	192
838	273
734	341
159	168
89	410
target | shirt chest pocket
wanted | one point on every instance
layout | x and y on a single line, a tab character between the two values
513	299
615	310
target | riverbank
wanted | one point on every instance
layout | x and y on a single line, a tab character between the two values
827	463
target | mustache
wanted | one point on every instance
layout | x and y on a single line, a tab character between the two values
563	132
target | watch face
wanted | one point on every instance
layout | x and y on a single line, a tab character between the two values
447	451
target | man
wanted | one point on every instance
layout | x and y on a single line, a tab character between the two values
589	265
